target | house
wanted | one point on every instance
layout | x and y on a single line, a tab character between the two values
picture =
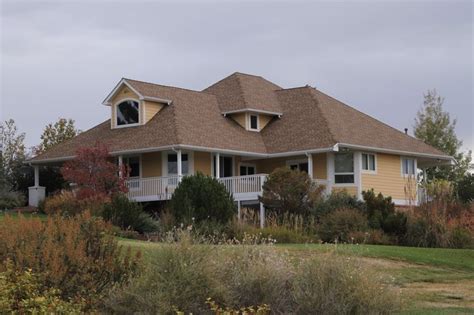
239	130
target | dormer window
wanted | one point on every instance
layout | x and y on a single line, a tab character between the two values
253	122
128	113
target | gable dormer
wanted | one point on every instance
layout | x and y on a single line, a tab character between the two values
252	120
130	107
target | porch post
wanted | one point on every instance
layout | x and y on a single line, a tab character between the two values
36	168
120	164
262	216
218	165
180	165
238	210
310	165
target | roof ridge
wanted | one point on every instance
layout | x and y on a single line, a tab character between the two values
241	89
318	104
167	86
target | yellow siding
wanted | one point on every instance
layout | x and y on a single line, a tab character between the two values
320	166
351	190
151	164
264	120
240	118
388	180
150	109
202	162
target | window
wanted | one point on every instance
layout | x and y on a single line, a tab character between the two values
133	165
408	166
368	162
128	113
254	122
247	170
173	164
344	168
298	166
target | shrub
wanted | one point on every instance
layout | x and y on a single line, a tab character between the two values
76	255
375	237
127	215
337	200
66	203
10	199
340	286
378	208
465	188
287	190
23	293
199	198
337	225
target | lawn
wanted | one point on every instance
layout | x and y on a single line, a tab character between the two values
431	280
15	214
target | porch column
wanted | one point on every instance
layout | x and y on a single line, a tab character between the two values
120	164
262	216
310	165
180	165
37	175
218	165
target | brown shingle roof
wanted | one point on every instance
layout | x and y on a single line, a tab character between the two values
310	120
241	91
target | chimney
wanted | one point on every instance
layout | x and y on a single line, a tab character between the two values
406	131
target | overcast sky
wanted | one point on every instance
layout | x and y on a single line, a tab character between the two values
61	58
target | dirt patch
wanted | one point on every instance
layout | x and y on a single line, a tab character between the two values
459	293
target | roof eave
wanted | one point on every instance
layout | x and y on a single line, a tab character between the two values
259	111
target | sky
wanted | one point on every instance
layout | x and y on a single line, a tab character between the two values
62	58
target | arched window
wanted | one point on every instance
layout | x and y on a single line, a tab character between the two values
128	113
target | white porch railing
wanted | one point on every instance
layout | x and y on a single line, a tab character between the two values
162	188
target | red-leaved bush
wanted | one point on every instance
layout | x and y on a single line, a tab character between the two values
94	173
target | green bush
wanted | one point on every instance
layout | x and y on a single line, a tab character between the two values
337	200
10	199
465	188
76	255
128	215
198	198
282	235
340	286
289	191
337	225
23	293
461	238
422	232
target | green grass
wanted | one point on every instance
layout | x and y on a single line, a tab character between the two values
15	214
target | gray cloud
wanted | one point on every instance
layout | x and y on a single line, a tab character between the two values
61	59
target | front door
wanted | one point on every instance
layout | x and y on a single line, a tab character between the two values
225	166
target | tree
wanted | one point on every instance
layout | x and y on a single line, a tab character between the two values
287	190
93	173
13	153
434	126
61	131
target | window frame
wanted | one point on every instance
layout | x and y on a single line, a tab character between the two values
247	165
250	122
353	173
116	105
368	171
415	166
167	154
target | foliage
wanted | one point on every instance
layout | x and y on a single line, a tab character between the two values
336	200
337	225
434	127
13	148
258	310
340	286
77	256
67	204
381	213
287	190
93	173
199	198
62	130
10	199
465	188
127	215
23	293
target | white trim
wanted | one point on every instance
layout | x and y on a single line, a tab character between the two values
396	152
245	110
164	162
357	173
370	172
106	101
403	202
346	173
140	113
249	123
